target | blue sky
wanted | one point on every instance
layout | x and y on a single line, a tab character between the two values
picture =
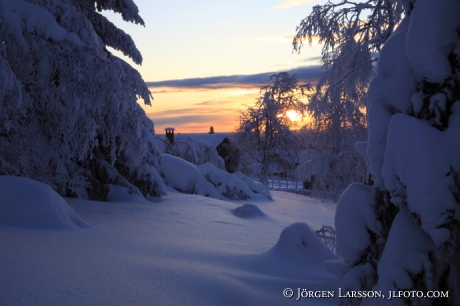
204	59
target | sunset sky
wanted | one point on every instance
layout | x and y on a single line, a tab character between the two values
203	60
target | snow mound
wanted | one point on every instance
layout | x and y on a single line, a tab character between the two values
31	204
248	211
299	242
256	187
185	177
228	185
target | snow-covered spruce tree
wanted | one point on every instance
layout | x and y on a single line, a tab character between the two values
69	115
264	136
404	232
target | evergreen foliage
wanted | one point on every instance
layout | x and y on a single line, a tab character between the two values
69	116
403	233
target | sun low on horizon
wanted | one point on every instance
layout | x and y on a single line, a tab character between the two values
293	115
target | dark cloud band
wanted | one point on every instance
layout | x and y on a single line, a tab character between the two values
304	75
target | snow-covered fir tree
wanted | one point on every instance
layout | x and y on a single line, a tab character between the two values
69	115
403	233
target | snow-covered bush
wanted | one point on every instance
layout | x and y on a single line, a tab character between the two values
199	152
228	185
69	114
185	177
299	242
230	154
207	180
404	233
194	151
256	187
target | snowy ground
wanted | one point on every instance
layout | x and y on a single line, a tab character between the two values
184	250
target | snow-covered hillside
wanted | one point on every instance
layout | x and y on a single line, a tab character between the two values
184	250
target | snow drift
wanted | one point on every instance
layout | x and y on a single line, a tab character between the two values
31	204
185	250
248	211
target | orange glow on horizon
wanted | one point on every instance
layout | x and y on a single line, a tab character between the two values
195	110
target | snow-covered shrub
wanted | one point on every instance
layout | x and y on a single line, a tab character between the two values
199	152
327	234
185	177
68	107
230	154
228	185
404	233
194	151
299	242
256	187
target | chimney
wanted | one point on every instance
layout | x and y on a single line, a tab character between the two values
170	134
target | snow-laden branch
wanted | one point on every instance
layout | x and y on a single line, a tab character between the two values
114	37
127	8
349	43
23	16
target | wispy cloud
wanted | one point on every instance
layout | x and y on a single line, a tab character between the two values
160	91
186	111
304	74
302	61
213	103
179	120
292	3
